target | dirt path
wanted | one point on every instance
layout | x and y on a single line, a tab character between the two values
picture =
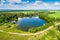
41	33
31	33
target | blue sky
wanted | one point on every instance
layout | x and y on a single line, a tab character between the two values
30	4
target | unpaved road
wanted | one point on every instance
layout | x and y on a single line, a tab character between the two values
31	33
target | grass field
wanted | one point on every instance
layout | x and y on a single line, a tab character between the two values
56	14
5	36
49	35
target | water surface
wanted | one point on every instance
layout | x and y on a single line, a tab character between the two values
25	23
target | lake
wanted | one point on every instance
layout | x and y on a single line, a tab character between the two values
25	23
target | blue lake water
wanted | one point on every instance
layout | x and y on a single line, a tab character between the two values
25	23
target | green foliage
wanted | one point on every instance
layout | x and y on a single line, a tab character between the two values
41	28
32	30
7	17
58	27
46	17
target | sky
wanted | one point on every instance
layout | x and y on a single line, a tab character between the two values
30	4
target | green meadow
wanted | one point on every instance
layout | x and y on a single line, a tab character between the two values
56	14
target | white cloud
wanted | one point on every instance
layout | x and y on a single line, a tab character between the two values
18	1
43	5
46	4
38	5
1	4
27	6
56	3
